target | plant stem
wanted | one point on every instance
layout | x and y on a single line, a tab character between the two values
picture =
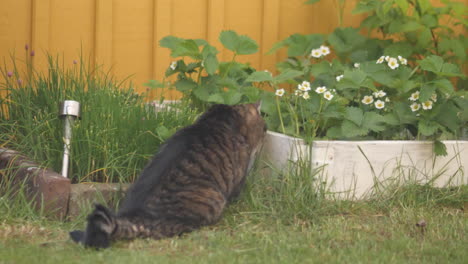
230	64
280	116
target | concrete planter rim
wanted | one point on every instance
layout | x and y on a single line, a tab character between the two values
300	140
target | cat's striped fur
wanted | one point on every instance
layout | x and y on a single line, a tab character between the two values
189	182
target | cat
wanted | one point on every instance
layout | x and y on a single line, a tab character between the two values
188	183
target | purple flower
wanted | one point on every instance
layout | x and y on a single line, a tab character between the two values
33	53
26	47
75	62
20	81
9	74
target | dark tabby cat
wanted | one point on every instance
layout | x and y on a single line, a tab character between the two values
189	182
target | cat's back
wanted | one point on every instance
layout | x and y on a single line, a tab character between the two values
202	158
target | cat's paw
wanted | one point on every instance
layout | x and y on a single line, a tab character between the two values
77	236
101	224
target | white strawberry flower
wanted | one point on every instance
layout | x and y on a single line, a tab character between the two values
379	94
339	77
402	60
325	50
387	58
415	107
321	89
306	86
393	63
279	92
379	104
298	93
434	98
387	100
316	53
414	96
173	65
306	95
427	105
368	99
356	65
328	95
380	60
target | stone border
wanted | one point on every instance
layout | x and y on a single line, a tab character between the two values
42	184
50	190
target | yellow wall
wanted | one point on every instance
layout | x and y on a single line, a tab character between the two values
124	34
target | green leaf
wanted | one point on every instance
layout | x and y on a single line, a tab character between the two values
211	64
345	39
427	127
410	26
232	97
163	132
320	68
403	4
216	98
403	49
260	76
449	69
209	50
299	44
391	119
170	42
355	115
424	39
439	148
252	93
431	63
448	117
276	46
404	114
350	129
246	46
239	44
436	64
334	132
229	39
373	122
363	7
185	85
429	21
444	86
287	75
186	48
427	91
356	76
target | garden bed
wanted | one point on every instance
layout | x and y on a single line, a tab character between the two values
354	169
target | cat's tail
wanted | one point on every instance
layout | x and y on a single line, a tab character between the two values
104	226
101	224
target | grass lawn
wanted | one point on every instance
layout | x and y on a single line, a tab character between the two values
266	226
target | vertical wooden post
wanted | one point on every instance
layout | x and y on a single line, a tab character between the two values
40	31
215	22
103	45
162	18
270	32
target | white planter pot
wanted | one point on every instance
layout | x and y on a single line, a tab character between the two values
352	169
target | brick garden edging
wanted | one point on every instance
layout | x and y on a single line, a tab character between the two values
60	199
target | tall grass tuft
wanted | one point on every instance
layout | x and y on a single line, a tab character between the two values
115	136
